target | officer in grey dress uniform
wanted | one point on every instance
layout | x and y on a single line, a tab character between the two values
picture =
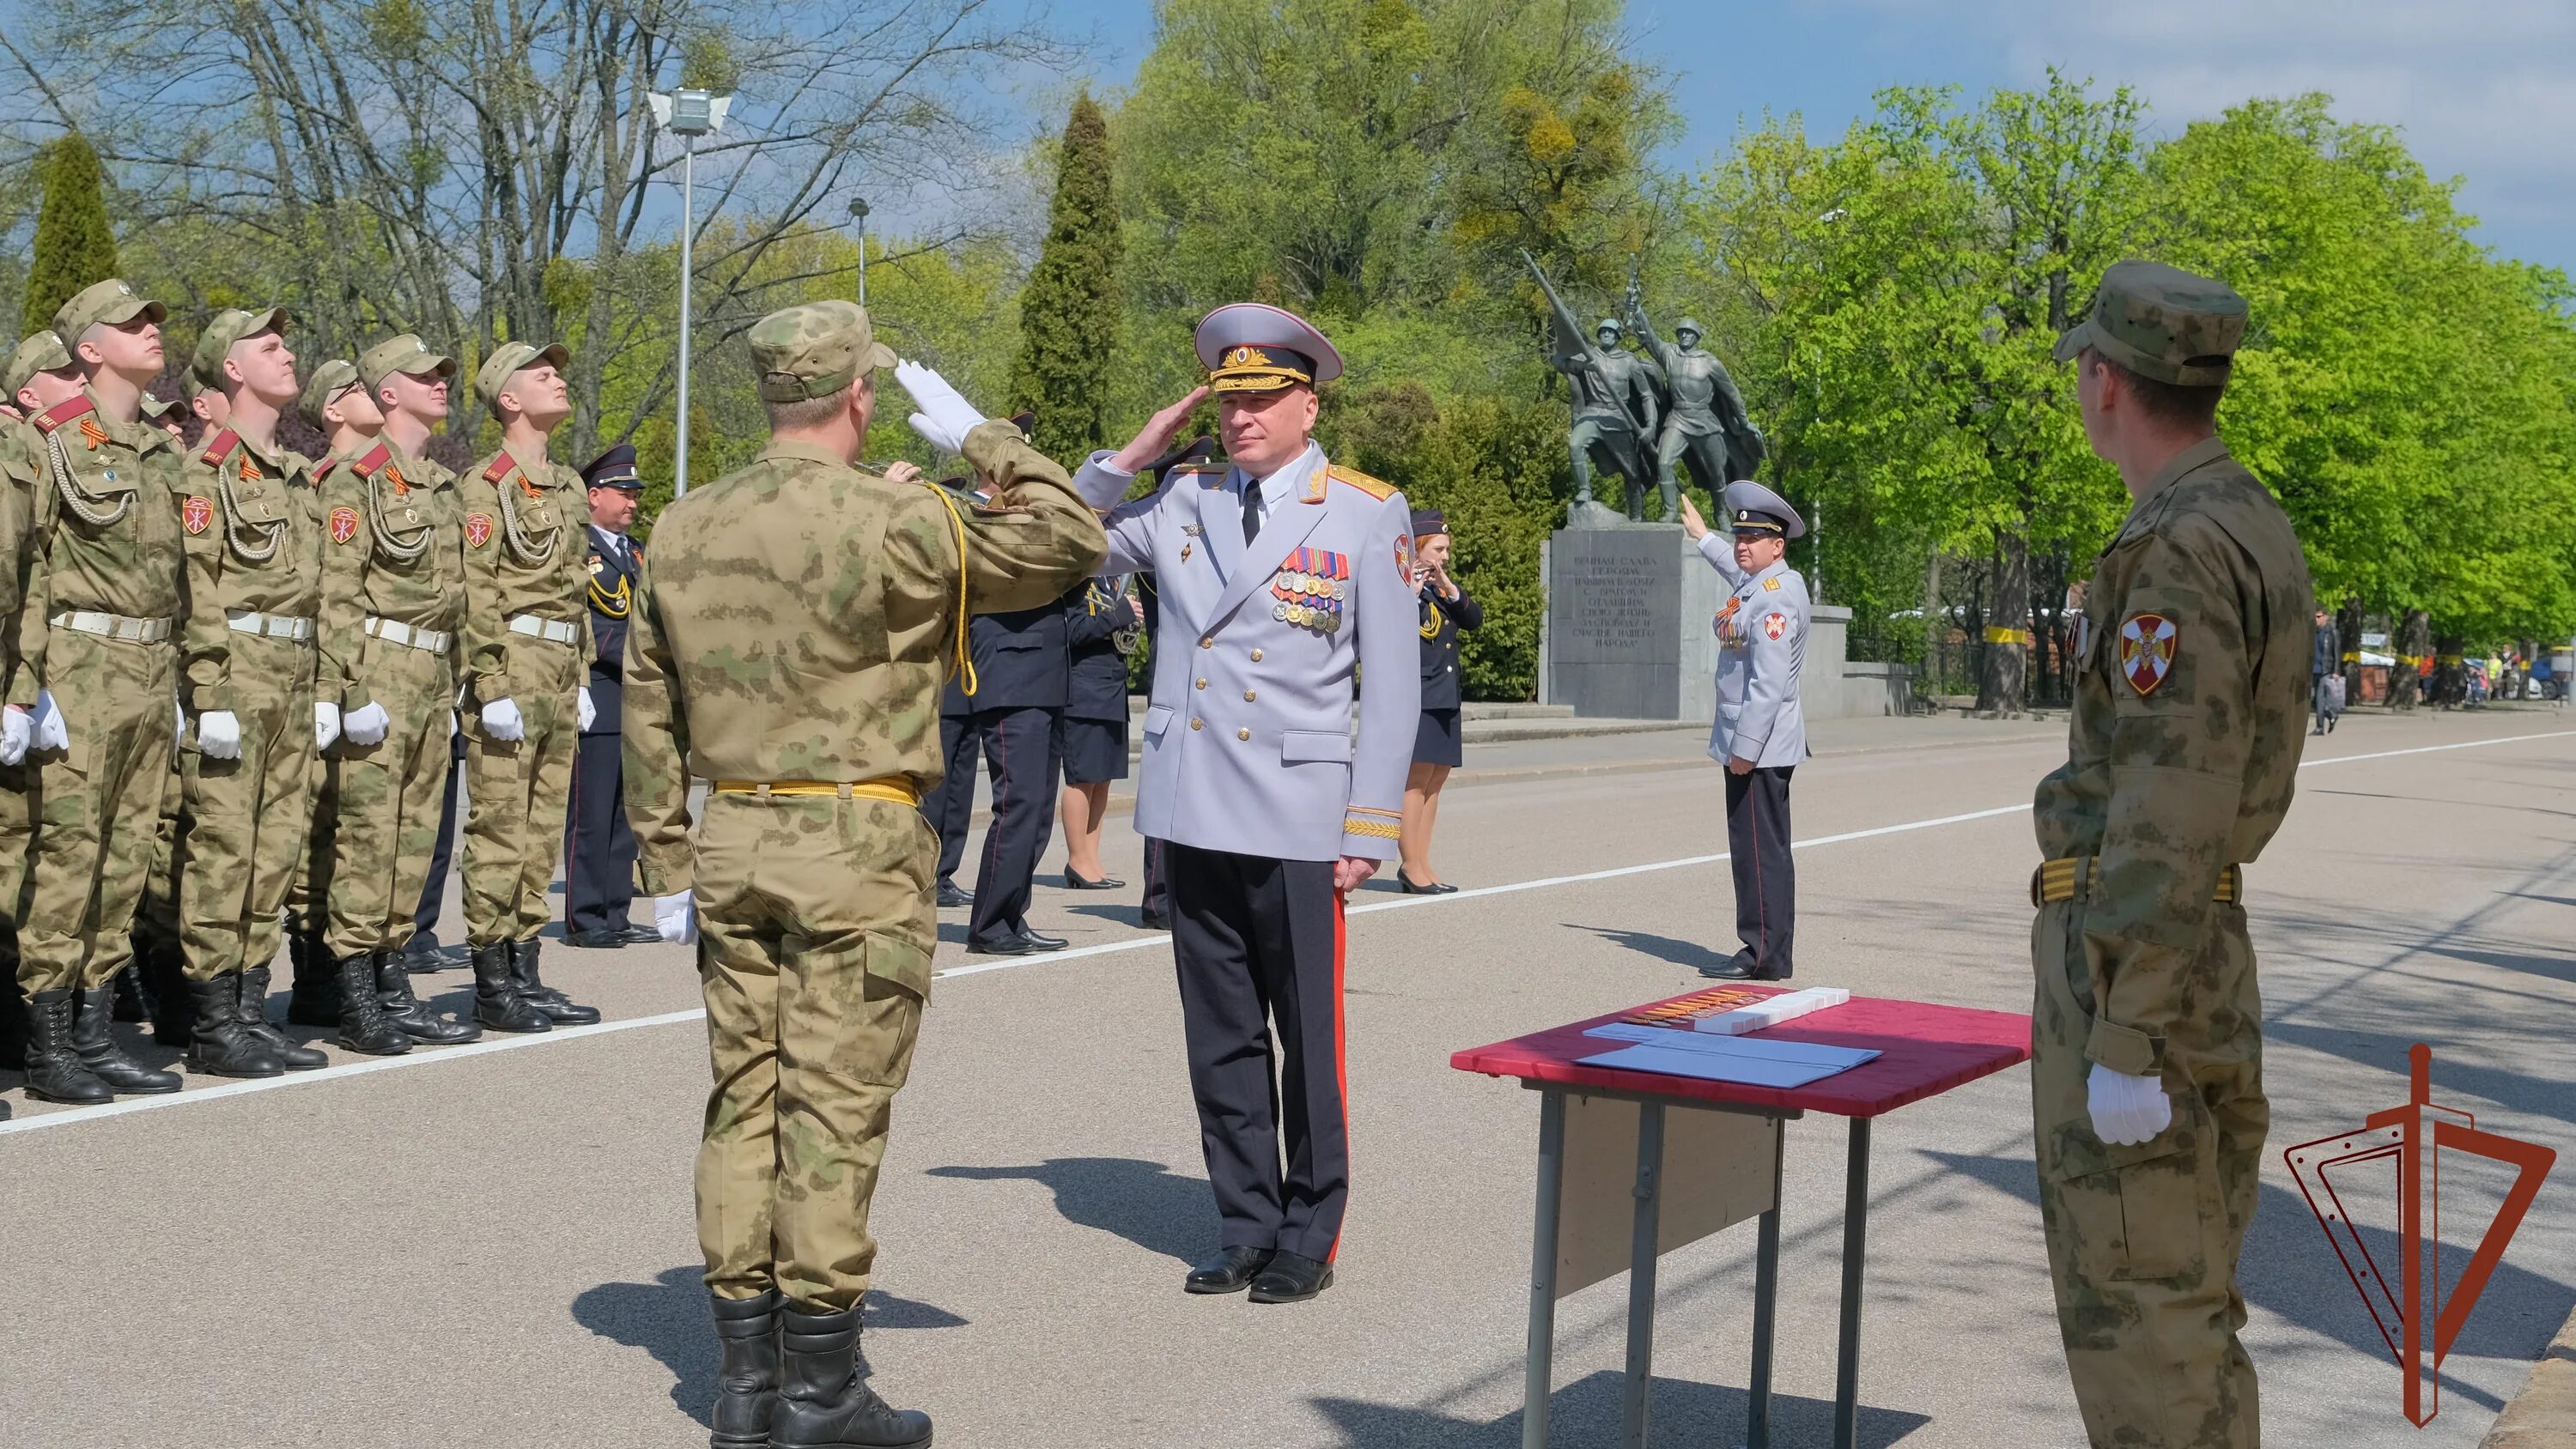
1279	573
1761	732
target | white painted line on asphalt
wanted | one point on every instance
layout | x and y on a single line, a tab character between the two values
422	1056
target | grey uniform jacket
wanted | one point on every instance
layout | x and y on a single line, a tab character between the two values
1248	741
1761	644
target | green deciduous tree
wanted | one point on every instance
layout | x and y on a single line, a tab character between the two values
73	246
1069	314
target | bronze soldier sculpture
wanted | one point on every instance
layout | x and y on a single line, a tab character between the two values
1704	417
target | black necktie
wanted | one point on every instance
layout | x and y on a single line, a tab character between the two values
1251	510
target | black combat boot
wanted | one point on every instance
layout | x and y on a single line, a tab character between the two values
252	1007
558	1008
54	1071
219	1044
747	1377
98	1051
316	1000
822	1401
364	1027
497	1003
13	1017
130	1003
168	996
403	1009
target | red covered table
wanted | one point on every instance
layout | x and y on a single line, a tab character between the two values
1731	1139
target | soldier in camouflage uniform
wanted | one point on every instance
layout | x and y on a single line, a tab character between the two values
39	374
811	700
252	537
98	638
527	662
2146	1076
393	597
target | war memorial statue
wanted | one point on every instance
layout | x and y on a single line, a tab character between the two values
1704	419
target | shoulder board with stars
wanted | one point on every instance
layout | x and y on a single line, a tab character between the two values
1373	487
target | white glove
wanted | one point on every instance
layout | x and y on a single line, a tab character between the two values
676	917
219	734
17	731
326	725
179	722
945	417
2127	1110
50	733
501	721
584	707
366	725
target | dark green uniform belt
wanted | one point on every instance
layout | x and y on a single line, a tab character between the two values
2055	880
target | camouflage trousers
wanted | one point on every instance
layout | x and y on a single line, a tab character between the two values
246	820
383	824
2143	1240
97	806
517	793
815	930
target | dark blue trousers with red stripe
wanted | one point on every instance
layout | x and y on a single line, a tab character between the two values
1257	942
1766	880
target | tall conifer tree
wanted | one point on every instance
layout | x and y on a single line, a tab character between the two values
73	245
1069	314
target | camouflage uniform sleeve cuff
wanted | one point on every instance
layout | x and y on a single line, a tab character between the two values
2125	1049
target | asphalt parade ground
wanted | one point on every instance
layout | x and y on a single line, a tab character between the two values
492	1245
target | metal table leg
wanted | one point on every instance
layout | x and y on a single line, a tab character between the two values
1855	1248
1766	1305
1542	1313
1641	1276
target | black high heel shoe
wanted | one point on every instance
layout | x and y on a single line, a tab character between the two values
1442	888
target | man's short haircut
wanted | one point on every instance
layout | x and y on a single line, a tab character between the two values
811	412
2163	401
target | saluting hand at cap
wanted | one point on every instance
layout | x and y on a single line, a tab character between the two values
1158	432
1694	527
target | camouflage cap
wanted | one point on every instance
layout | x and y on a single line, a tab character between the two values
109	302
814	350
405	354
39	352
206	364
328	381
511	358
2163	323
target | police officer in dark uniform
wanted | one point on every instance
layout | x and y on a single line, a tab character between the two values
599	849
1022	676
1439	744
950	805
1091	733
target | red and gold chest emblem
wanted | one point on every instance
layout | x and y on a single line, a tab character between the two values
478	529
197	514
2148	645
344	524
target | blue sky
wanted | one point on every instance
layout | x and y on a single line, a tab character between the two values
2485	90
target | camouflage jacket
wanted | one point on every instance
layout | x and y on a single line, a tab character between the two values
395	549
2190	711
22	472
105	528
524	554
252	533
797	619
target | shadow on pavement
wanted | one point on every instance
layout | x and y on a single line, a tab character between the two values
1144	1202
668	1319
1587	1412
1662	948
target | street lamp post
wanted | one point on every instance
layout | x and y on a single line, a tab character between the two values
688	115
859	219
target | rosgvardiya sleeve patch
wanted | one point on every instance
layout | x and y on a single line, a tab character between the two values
2149	644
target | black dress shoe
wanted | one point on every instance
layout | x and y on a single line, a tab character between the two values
426	958
1291	1279
1041	941
1017	943
1074	882
950	897
1154	920
596	940
1436	888
639	935
1230	1271
1742	967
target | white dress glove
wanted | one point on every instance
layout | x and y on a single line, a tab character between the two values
50	733
501	720
219	734
366	725
2127	1110
584	708
17	732
179	722
945	417
676	917
326	725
